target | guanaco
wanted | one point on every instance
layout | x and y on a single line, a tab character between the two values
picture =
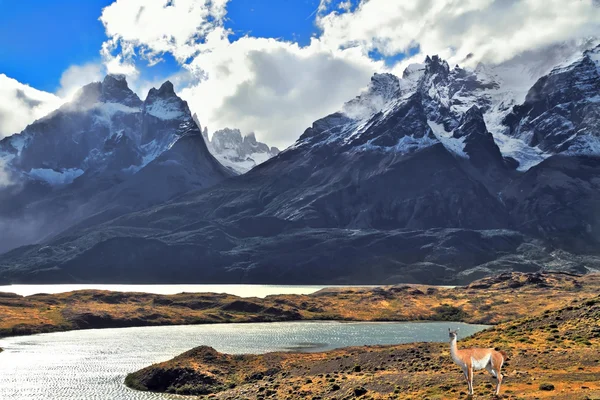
476	359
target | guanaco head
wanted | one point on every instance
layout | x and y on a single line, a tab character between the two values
452	334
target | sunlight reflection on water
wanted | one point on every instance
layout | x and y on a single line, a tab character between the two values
92	364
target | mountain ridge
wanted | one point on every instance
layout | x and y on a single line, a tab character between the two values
405	183
78	160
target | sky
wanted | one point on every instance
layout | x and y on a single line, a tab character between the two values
268	66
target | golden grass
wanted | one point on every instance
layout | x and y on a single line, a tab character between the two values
488	301
410	371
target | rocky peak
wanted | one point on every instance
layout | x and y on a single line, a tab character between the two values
382	89
435	65
560	111
166	89
114	89
472	122
88	95
197	120
164	104
385	85
227	138
238	152
250	138
413	71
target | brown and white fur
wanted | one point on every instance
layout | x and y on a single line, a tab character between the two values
474	359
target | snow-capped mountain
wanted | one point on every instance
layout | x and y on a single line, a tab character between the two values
561	111
63	167
429	177
240	153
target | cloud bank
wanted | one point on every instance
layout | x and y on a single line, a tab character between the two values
21	104
276	87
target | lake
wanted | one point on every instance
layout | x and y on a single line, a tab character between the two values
92	364
237	290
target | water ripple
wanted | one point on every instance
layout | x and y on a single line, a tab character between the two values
92	364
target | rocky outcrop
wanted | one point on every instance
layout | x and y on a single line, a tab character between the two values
237	152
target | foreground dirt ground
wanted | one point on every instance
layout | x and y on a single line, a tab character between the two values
554	353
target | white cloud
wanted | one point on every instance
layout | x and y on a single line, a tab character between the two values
5	179
77	76
491	30
274	88
269	86
278	88
121	62
21	104
159	26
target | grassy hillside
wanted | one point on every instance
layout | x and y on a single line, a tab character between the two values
490	301
553	355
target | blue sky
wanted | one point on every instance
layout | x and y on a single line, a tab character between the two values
40	39
234	78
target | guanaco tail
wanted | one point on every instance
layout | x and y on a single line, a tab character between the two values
475	359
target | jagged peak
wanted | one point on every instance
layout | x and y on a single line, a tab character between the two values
472	122
414	70
164	103
250	137
385	85
88	95
384	79
436	64
166	90
472	113
230	133
114	78
116	90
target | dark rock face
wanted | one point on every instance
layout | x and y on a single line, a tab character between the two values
405	184
558	200
561	111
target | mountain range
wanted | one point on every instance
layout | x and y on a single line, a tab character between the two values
442	176
240	153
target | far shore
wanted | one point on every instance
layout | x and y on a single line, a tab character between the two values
488	301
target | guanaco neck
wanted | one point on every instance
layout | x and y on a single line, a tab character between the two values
454	350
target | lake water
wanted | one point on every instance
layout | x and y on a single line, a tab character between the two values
238	290
92	364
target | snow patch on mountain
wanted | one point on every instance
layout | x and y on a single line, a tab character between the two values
106	112
165	109
239	153
454	145
54	177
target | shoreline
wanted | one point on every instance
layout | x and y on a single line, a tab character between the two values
546	322
551	355
488	301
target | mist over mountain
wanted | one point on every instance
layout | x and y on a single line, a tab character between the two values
441	176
